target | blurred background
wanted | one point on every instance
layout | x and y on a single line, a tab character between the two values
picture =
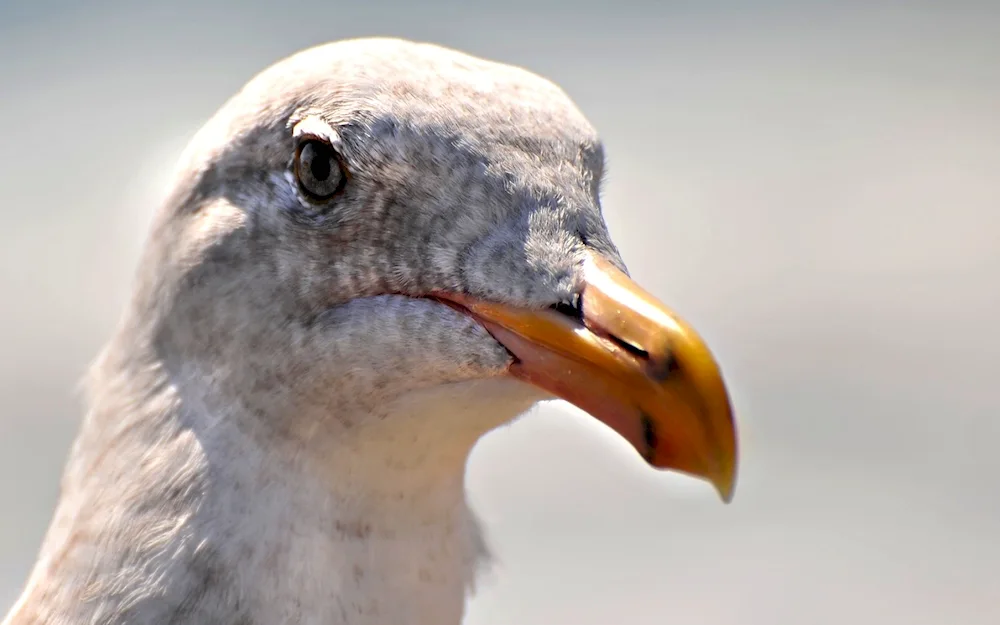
814	185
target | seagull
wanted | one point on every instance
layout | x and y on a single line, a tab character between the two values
373	254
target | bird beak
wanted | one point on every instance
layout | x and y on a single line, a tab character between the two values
629	361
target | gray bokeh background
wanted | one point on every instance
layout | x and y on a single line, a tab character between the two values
816	186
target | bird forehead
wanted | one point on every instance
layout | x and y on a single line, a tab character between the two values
401	105
402	77
384	85
388	87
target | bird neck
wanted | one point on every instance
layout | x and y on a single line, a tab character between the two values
206	523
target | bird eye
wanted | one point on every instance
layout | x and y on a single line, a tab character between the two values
319	170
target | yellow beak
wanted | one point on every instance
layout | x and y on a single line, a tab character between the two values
632	363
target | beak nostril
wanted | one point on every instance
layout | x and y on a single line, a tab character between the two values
630	348
572	309
659	367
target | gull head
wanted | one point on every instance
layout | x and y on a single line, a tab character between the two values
372	230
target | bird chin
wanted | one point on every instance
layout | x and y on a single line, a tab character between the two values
470	406
426	435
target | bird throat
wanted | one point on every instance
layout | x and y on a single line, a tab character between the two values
376	527
373	527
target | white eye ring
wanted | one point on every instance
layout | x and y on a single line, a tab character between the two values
316	127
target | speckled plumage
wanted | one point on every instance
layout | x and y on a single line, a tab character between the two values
278	431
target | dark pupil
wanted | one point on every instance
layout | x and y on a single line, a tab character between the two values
319	165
